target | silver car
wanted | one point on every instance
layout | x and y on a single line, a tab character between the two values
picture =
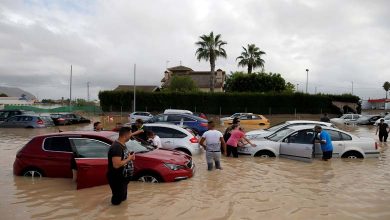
296	142
139	115
261	134
27	121
176	137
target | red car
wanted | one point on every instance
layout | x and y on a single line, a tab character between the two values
50	156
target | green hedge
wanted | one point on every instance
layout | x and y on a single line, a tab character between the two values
224	103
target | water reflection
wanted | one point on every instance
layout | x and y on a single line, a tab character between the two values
247	188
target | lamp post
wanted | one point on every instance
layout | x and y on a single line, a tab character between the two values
307	78
297	87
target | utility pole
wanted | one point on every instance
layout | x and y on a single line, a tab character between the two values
307	78
166	64
70	89
88	91
134	88
352	87
315	90
297	87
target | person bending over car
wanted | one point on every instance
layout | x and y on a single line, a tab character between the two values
139	131
120	166
326	143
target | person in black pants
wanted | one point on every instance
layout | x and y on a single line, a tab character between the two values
120	166
383	129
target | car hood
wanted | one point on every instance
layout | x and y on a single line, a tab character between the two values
167	156
257	134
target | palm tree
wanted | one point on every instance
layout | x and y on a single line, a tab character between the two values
210	48
386	87
251	57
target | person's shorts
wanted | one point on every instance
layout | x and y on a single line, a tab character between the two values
327	155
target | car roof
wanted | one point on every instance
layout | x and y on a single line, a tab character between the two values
187	115
309	121
104	134
167	125
303	127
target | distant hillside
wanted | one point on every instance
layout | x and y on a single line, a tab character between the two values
16	92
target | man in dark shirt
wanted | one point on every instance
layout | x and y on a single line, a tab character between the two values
383	129
139	131
120	166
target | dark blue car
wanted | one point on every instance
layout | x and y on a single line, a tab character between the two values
194	122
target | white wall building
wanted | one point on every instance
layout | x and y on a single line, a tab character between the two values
4	101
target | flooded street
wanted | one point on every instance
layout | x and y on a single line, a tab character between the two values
247	188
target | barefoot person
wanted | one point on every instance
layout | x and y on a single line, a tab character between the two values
120	166
326	143
213	139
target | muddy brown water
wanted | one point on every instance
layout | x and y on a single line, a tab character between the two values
247	188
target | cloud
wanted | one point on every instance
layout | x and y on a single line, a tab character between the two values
338	41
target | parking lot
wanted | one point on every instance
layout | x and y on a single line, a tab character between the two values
247	188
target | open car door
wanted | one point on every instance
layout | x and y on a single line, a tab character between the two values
298	146
91	172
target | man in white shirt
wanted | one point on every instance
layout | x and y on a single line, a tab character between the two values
213	139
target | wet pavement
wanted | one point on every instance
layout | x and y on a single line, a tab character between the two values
247	188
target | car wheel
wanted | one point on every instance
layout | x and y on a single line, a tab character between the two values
149	178
264	154
33	173
352	155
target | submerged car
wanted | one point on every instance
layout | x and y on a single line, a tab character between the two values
50	156
233	116
27	121
368	119
196	123
175	137
68	119
5	114
262	133
386	118
297	142
144	116
346	119
250	119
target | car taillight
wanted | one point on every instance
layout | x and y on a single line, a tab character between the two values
194	140
61	119
203	124
40	122
376	145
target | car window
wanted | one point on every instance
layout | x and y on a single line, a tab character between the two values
160	118
26	118
90	148
334	135
164	132
279	134
135	146
61	144
4	114
348	117
174	117
276	127
345	137
188	119
13	119
356	116
302	137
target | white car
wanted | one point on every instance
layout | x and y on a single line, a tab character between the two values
233	116
178	111
296	142
174	137
386	118
139	115
262	133
346	119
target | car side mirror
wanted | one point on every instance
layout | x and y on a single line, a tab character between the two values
286	140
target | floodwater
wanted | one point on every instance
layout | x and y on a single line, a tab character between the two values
247	188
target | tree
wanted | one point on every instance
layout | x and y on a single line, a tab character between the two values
3	95
257	82
182	84
251	57
210	48
386	87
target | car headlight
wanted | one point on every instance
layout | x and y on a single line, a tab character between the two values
174	166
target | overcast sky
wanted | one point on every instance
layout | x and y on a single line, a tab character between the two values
338	41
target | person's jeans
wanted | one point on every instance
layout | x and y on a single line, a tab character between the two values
213	156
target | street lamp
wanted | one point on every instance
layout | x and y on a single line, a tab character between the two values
297	87
307	78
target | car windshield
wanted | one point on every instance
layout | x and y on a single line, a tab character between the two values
279	134
365	117
133	145
276	127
